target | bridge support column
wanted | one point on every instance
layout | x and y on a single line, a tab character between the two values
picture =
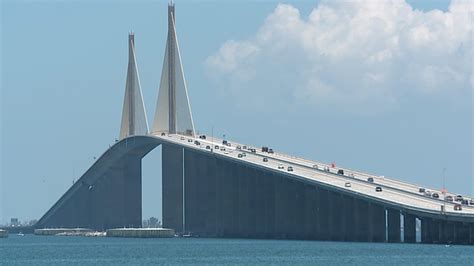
323	214
361	215
426	226
335	205
471	233
376	223
409	228
347	218
461	235
434	231
172	186
393	226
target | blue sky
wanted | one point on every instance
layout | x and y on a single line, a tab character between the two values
390	95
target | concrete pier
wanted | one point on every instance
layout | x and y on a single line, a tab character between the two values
409	228
141	232
393	217
62	231
3	233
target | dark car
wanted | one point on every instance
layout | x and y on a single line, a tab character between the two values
197	142
290	169
163	133
270	150
224	142
421	190
370	179
378	189
458	198
216	147
190	140
202	137
208	147
457	207
240	155
435	195
340	172
253	150
264	149
448	198
265	159
465	202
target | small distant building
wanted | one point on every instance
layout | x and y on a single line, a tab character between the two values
14	222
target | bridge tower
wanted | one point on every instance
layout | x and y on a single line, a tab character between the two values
134	121
173	112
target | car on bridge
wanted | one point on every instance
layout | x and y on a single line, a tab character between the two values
265	159
240	155
270	150
347	184
457	207
208	147
290	169
280	166
326	168
202	137
471	202
190	140
315	166
421	190
449	198
435	195
378	189
197	142
340	172
370	179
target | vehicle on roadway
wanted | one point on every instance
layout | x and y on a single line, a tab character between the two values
347	184
190	140
465	202
428	193
264	149
238	147
458	198
340	172
315	166
202	136
208	147
252	150
240	155
197	142
265	159
182	138
435	195
378	189
224	142
421	190
326	168
222	148
270	150
216	147
449	198
290	169
370	179
471	202
280	166
457	207
163	133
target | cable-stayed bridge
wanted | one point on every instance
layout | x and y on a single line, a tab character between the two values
220	188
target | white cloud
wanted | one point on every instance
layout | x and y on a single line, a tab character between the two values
357	53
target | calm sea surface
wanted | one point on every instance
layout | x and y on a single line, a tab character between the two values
57	250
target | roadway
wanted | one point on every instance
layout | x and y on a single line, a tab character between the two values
393	191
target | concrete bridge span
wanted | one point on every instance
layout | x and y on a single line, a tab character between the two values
209	194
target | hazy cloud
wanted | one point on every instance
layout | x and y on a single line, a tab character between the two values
360	54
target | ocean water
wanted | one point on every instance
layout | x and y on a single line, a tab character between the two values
61	250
